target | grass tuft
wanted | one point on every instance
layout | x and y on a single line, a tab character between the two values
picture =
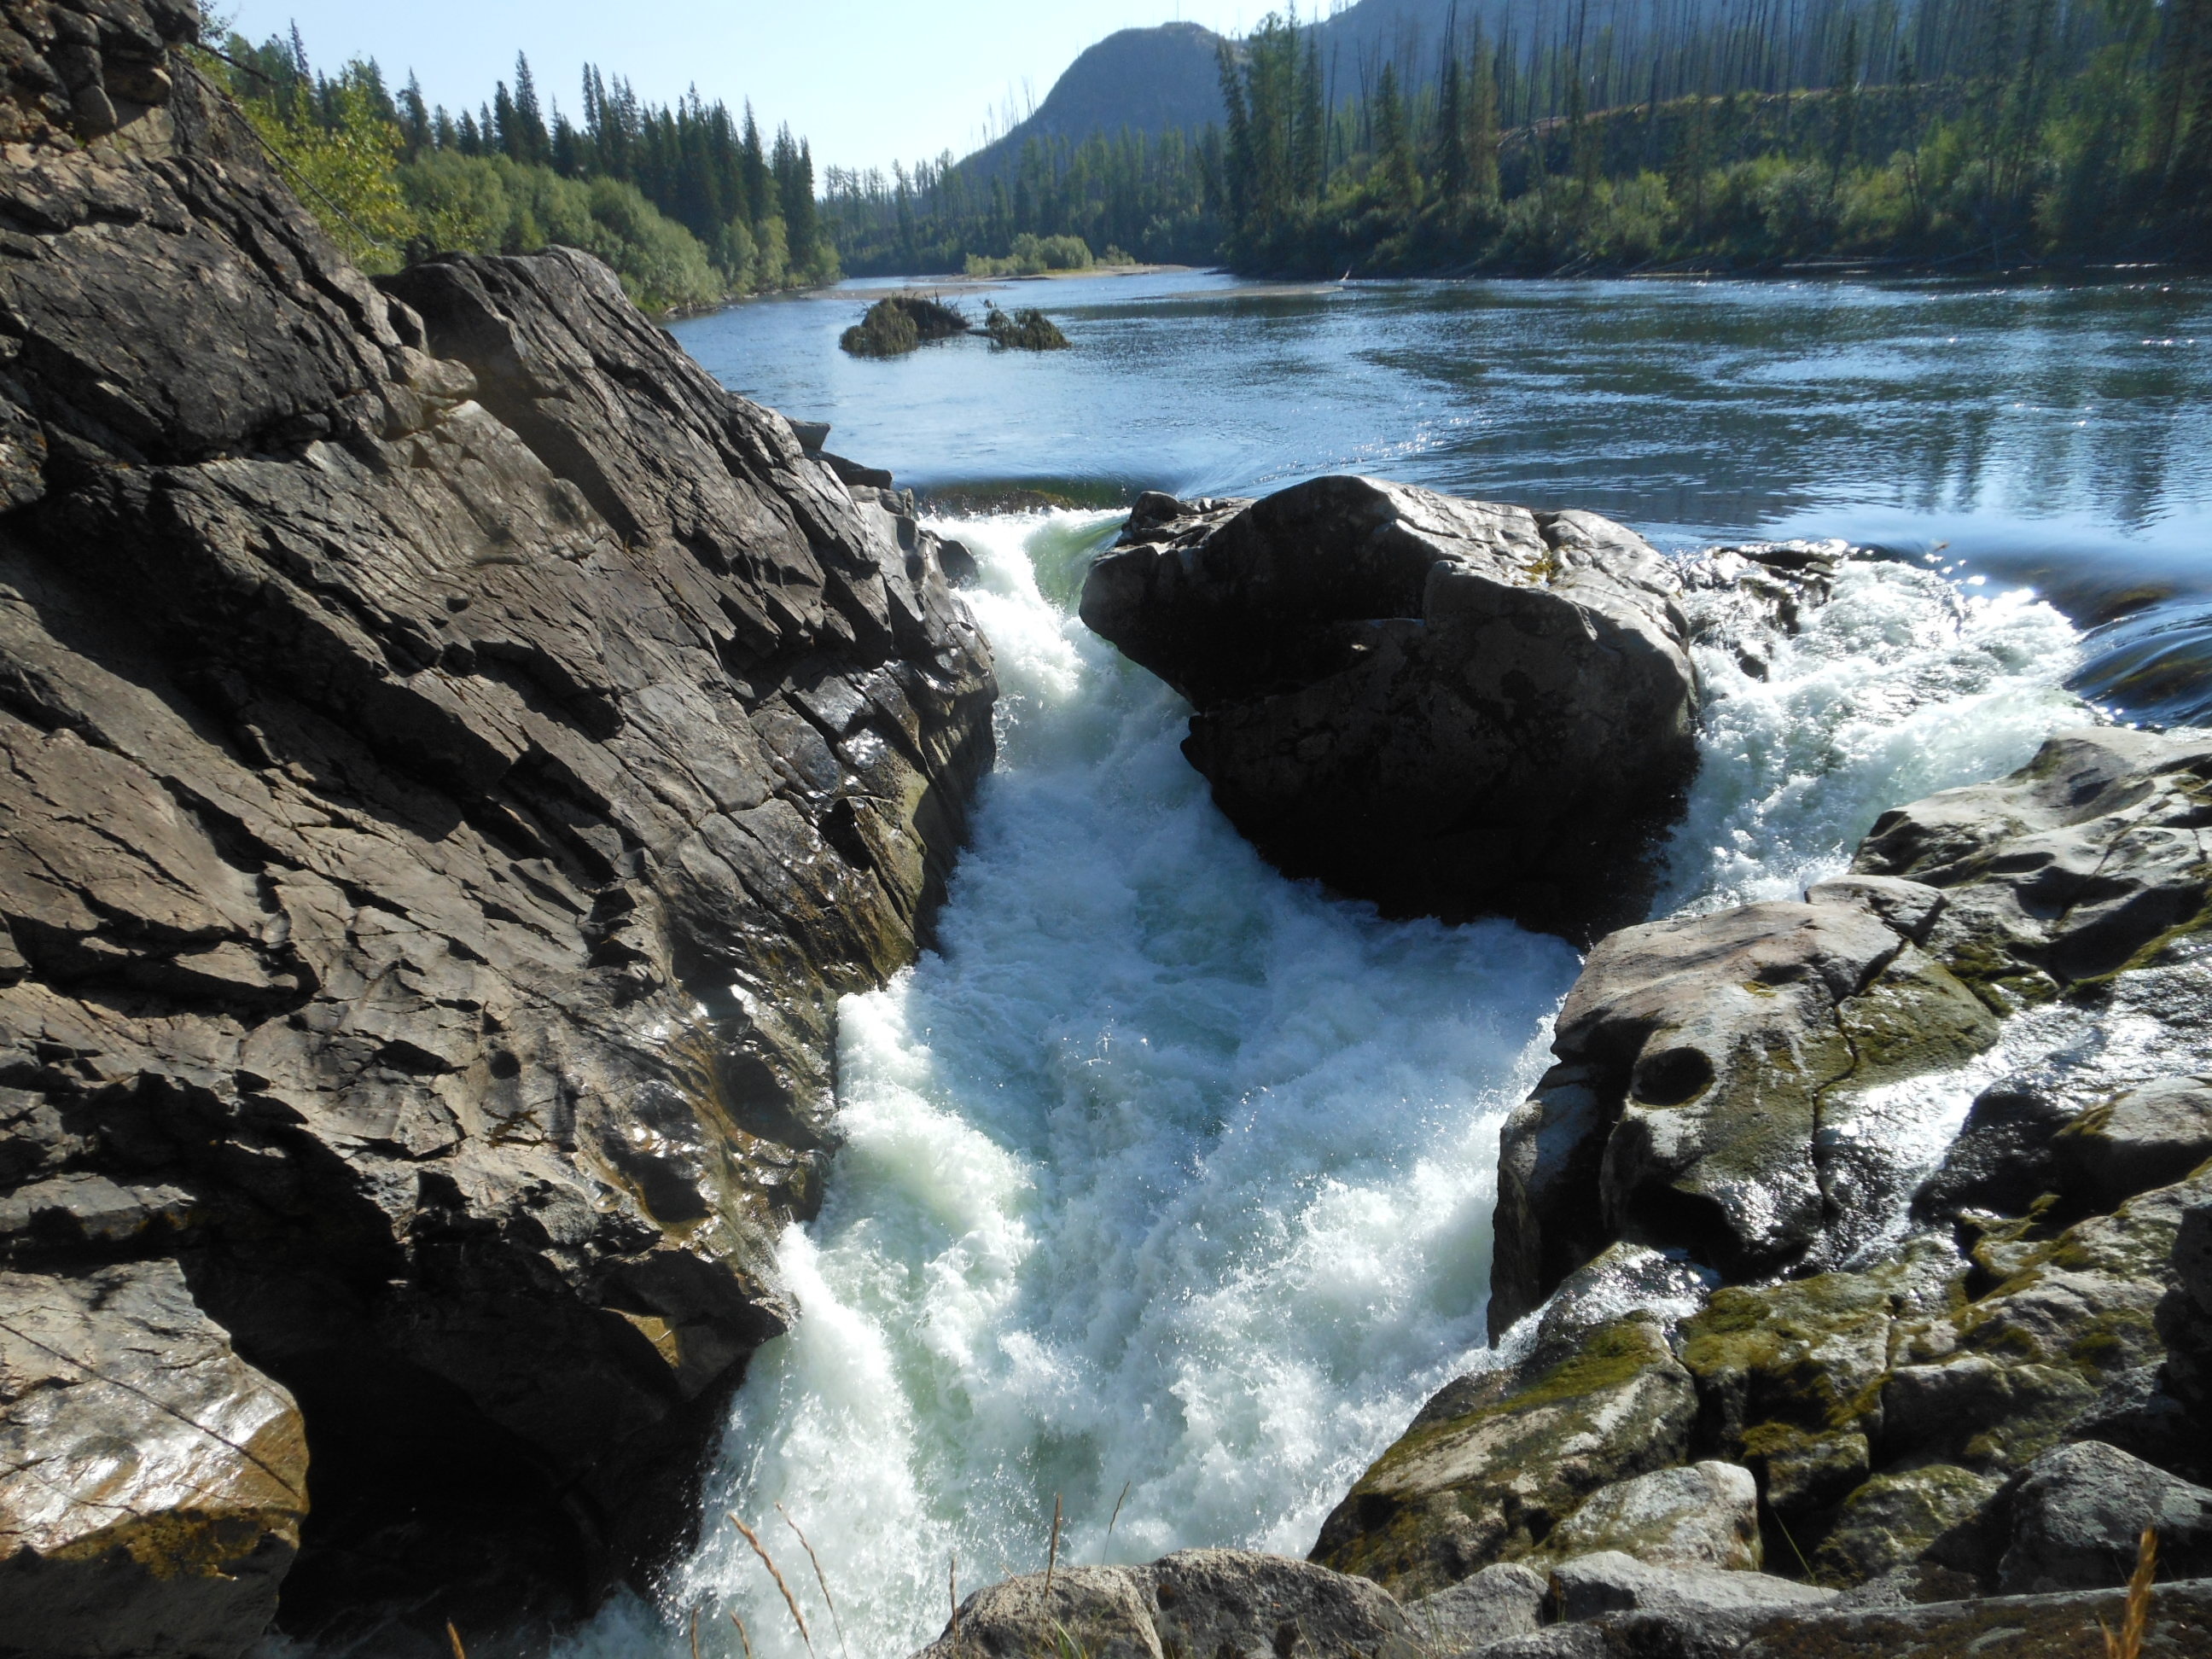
2135	1625
777	1573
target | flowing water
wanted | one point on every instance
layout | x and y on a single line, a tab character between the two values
1166	1198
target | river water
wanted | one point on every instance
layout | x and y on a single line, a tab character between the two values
1166	1198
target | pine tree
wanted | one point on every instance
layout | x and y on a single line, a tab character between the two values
531	143
1453	176
1398	180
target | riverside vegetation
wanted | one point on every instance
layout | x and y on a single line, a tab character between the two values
1981	132
689	203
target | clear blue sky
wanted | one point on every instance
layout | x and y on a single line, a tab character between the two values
865	80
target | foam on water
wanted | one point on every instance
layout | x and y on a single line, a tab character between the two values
1168	1183
1896	687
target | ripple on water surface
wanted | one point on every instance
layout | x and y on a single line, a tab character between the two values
1170	1178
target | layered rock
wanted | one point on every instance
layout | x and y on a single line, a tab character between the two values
1451	708
457	756
1944	1386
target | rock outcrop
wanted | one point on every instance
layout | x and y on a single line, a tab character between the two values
1194	1601
1451	708
1943	1382
456	757
1604	1606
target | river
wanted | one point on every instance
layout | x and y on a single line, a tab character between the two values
1166	1197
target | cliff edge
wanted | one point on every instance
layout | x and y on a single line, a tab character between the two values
455	756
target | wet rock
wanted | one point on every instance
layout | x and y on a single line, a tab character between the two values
2144	1139
1496	1461
1590	1585
456	760
2064	872
2002	1160
1705	1076
152	1483
1704	1515
1719	1089
2078	1514
1497	1603
1194	1601
1789	1375
1452	707
1739	599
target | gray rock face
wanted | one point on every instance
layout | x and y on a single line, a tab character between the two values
1666	1119
1496	1461
1194	1601
2063	872
1498	1602
2185	1314
1704	1515
1451	708
151	1483
456	760
1610	1582
2078	1514
1674	1117
1997	1627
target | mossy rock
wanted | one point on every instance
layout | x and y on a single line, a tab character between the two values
1807	1353
1488	1478
1896	1518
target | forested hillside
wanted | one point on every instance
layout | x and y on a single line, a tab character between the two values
1748	135
690	203
1721	134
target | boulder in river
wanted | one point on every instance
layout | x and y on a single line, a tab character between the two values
1452	707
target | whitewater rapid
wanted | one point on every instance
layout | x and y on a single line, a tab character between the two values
1167	1188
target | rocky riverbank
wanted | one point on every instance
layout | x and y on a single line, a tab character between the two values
457	755
1790	1357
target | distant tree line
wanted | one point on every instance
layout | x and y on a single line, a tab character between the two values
1744	134
1154	198
689	203
1988	131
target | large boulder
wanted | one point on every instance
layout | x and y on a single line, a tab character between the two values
455	761
1704	1068
1451	708
151	1482
1722	1079
2078	1516
1191	1602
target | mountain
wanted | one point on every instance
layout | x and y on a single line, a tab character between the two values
1148	80
1152	80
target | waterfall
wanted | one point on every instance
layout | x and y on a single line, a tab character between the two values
1167	1189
